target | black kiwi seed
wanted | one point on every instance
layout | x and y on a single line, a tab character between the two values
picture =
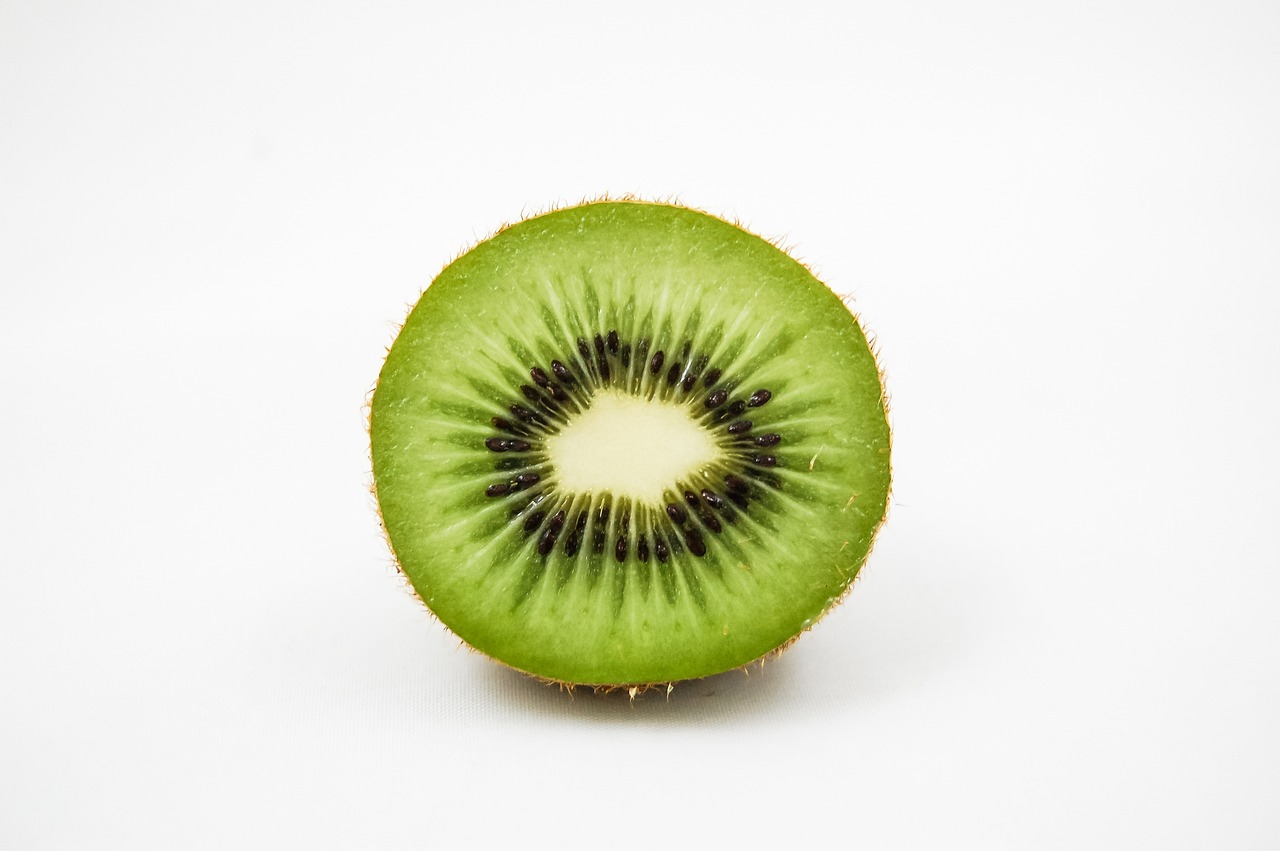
625	355
765	460
497	490
660	547
694	542
624	526
613	342
573	541
497	444
655	365
673	374
739	427
738	499
691	498
688	382
530	393
759	397
562	372
642	547
713	499
710	379
602	362
598	531
523	414
717	399
507	426
539	377
534	520
768	439
736	484
735	408
548	540
526	479
558	393
676	513
518	445
709	520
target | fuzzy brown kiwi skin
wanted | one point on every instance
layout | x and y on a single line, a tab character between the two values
634	690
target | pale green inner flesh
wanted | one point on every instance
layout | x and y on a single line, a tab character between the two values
664	444
557	601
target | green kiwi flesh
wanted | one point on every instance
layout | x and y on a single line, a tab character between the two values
629	443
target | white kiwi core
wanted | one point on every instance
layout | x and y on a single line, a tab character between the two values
630	447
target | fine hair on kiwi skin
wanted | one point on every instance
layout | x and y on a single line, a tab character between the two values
677	557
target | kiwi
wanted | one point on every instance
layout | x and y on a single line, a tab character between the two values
629	443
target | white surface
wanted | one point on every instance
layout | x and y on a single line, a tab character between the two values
1061	222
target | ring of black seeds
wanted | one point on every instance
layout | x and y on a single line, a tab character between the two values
603	363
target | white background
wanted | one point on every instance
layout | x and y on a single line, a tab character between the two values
1060	221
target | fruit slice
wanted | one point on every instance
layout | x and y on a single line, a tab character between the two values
629	443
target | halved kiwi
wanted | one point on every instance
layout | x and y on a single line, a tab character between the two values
629	443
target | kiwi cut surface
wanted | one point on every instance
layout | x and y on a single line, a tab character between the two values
629	443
